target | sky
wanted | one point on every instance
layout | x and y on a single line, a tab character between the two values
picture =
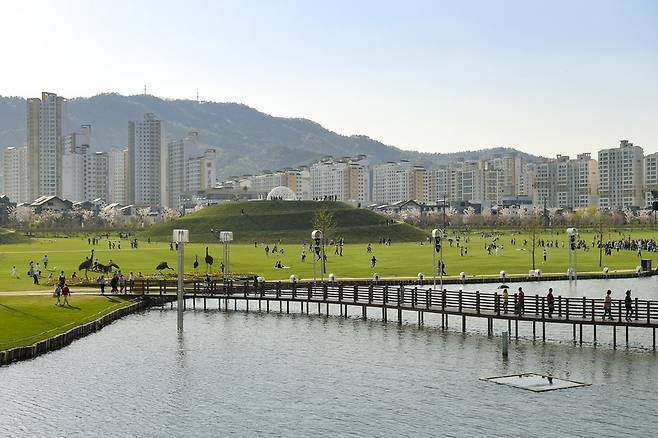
548	77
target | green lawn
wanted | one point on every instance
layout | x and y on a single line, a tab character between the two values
25	320
397	260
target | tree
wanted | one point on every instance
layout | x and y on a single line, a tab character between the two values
324	221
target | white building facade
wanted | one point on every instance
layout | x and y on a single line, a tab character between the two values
147	185
621	176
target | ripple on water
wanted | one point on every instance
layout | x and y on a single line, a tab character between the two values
238	373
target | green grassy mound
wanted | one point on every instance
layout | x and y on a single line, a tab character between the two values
290	221
10	236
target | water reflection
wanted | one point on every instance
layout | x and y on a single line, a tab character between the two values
238	373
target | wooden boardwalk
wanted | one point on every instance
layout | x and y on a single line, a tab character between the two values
577	312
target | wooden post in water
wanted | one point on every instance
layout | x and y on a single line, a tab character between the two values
614	337
463	322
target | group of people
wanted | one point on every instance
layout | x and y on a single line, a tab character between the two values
118	282
62	291
550	303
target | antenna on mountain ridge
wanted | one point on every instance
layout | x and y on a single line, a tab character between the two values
197	95
144	89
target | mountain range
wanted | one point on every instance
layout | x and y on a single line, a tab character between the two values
247	140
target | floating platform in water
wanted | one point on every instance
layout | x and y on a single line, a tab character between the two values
535	382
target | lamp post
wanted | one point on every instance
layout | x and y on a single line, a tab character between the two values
318	250
226	237
438	248
180	237
572	233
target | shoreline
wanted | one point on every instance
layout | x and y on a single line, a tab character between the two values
61	340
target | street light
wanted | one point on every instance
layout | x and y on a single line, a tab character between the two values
226	237
572	233
318	250
180	237
437	235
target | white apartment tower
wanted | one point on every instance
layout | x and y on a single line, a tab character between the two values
117	176
76	148
44	145
15	173
177	153
96	176
345	179
621	176
147	171
201	172
400	181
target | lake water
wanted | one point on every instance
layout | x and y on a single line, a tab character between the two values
246	374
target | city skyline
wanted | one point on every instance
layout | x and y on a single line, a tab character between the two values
546	79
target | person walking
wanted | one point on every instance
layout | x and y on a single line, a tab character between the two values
61	279
520	303
122	283
131	282
628	304
505	298
550	301
65	293
101	283
607	305
14	272
373	261
45	261
114	283
57	293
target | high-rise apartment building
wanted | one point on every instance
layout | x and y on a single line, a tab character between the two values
566	183
96	177
147	185
76	148
15	173
117	176
177	154
44	145
650	178
201	172
400	181
621	176
345	179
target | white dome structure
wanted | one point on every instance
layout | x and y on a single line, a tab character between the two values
282	192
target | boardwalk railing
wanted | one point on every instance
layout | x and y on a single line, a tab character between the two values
571	310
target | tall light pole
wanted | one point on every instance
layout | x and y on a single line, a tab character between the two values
572	233
438	248
180	237
226	237
318	249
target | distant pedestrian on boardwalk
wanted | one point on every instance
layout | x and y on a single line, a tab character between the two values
607	305
550	301
505	298
520	302
101	283
628	304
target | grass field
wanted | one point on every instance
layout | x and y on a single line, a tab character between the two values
289	221
25	320
397	260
